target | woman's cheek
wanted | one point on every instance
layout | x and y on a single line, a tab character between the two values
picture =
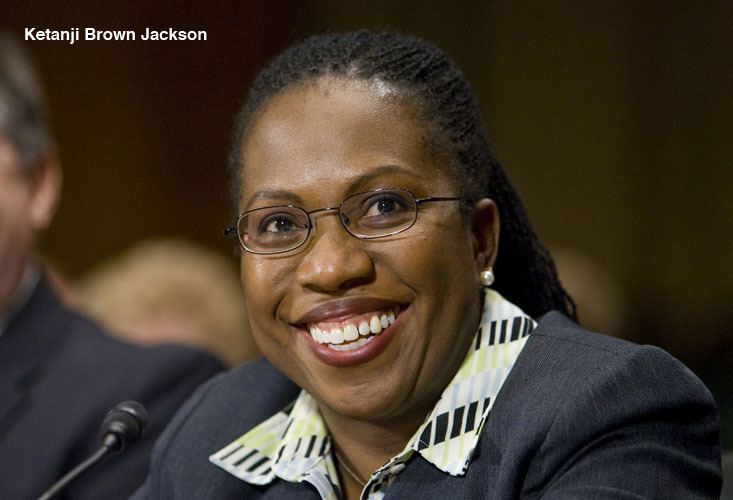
259	280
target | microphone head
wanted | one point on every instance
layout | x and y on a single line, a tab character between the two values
124	425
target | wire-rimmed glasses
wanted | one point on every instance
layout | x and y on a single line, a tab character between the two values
368	215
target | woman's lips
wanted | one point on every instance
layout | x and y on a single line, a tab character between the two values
347	333
338	310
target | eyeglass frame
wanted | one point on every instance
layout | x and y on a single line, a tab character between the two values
233	230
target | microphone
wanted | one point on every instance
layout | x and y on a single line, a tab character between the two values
122	426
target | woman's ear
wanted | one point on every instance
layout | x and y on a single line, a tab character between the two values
485	228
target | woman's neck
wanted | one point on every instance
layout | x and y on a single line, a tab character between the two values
366	446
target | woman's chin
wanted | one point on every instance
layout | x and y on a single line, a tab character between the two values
370	406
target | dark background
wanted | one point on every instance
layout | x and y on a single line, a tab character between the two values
614	121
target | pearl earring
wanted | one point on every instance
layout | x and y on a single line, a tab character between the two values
487	277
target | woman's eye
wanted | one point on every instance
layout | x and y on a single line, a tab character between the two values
277	224
384	206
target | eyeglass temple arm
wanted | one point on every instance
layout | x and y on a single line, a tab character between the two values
464	201
230	232
440	198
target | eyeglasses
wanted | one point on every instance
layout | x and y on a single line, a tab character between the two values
369	215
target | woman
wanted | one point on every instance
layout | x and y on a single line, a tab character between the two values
392	280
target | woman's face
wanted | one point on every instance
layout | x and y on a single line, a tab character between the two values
313	146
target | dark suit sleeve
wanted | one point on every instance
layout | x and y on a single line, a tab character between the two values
644	427
162	387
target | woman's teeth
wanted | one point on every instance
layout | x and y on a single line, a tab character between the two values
352	345
346	337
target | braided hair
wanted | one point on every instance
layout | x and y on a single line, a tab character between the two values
427	79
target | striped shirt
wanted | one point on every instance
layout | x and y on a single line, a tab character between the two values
294	445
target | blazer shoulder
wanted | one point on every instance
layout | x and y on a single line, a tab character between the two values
587	401
222	409
559	349
237	400
560	332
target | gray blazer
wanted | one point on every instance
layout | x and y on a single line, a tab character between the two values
581	416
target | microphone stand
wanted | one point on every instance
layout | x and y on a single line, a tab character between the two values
111	443
121	427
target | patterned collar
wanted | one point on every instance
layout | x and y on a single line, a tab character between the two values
294	444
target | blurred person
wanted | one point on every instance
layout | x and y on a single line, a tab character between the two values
170	290
59	372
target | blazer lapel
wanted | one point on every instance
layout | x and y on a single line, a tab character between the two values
29	339
12	396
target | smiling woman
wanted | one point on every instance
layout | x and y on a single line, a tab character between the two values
416	337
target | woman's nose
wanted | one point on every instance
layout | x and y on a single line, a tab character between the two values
333	260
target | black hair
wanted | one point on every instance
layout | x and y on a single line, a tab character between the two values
425	77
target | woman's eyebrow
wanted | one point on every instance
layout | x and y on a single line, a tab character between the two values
274	194
366	177
356	183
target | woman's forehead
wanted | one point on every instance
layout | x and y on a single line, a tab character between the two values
329	106
329	134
